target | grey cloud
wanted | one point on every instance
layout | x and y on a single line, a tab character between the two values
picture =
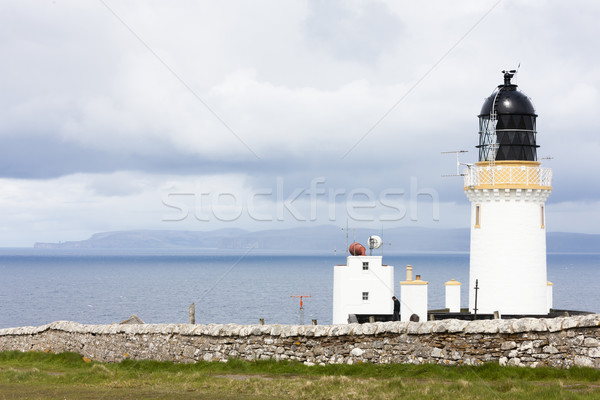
111	185
45	157
300	85
360	34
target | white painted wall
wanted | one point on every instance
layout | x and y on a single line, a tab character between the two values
350	281
413	300
508	252
549	294
453	296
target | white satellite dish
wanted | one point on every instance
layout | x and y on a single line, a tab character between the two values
375	242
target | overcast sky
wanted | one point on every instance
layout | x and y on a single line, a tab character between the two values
269	114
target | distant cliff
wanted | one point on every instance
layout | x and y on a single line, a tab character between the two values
313	238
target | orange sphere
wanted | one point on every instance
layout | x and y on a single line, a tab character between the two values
357	249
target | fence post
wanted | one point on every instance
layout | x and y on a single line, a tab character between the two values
192	313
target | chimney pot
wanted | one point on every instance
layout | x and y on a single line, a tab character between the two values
409	273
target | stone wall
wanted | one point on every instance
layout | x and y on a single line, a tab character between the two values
557	342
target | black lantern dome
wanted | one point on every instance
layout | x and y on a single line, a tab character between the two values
507	125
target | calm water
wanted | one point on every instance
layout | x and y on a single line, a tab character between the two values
41	286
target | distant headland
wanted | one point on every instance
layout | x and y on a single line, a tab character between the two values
321	238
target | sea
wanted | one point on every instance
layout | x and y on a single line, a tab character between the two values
39	286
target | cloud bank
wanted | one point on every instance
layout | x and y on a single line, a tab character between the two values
109	107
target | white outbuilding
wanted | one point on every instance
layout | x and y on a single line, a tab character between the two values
364	286
453	295
413	297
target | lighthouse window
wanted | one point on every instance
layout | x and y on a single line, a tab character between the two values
365	265
365	296
542	225
477	216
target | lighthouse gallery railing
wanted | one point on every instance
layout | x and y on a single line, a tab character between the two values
508	175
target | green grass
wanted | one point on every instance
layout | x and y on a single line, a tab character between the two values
68	376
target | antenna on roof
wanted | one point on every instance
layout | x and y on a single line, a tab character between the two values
509	74
382	240
347	248
458	163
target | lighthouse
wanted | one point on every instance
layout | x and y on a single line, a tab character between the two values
508	189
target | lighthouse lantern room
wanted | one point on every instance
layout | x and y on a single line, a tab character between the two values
508	189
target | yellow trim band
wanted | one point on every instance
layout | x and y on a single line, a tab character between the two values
508	186
452	282
509	163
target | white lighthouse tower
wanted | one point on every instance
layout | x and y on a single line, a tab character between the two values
508	189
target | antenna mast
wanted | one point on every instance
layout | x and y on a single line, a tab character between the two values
382	240
458	163
347	249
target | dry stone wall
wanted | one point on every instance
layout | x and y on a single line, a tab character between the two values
557	342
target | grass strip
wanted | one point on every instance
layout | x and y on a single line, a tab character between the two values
68	375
